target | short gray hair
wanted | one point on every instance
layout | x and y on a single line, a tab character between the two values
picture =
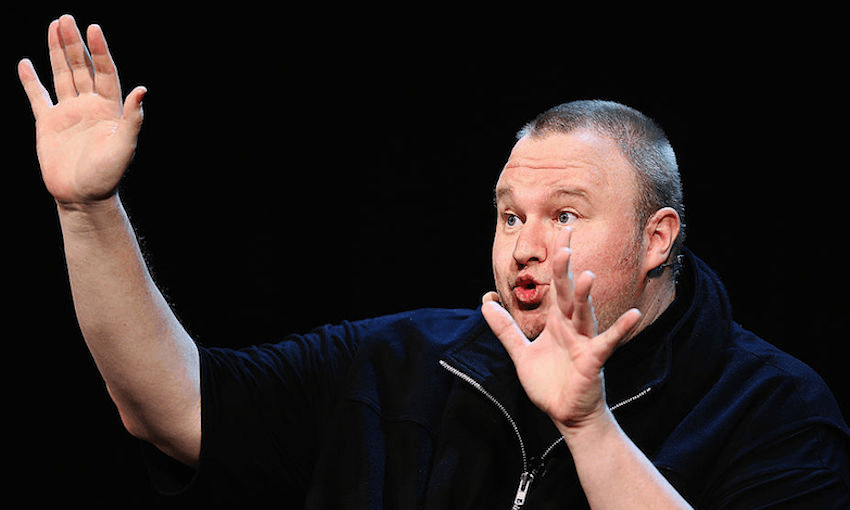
642	142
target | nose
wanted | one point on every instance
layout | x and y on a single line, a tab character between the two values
532	244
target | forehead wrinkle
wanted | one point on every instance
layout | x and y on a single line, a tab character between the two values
528	168
503	193
577	153
560	193
538	163
567	179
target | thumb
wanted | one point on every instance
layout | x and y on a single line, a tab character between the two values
490	296
504	327
132	115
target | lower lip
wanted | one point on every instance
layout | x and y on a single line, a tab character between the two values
530	296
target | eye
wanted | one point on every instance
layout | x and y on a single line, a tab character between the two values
511	220
566	217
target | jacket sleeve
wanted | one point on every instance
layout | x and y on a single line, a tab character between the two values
262	413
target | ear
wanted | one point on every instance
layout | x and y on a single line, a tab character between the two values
660	233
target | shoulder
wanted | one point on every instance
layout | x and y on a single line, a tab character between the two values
405	333
783	435
779	389
432	328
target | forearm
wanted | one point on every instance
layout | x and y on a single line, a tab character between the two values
614	473
149	362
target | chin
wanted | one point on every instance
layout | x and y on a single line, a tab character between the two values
531	322
533	331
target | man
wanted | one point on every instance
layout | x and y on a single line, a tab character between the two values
505	405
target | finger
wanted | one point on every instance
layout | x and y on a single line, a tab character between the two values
490	297
584	319
562	281
617	333
106	81
63	79
562	277
132	115
504	327
38	96
563	239
77	54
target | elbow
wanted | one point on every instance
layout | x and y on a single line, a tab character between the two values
134	426
130	418
179	438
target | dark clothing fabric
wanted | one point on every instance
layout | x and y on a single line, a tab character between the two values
424	410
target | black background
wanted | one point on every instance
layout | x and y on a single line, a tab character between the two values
299	167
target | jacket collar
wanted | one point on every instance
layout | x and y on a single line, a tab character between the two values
689	331
482	357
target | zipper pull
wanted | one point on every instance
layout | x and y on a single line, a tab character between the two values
522	491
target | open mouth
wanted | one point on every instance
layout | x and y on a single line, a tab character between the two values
529	293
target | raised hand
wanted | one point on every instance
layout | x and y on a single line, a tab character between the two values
85	141
561	371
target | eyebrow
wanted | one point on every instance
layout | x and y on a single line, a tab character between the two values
501	193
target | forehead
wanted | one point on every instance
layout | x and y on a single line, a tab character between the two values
582	160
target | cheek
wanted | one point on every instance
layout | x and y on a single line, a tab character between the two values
614	260
616	268
604	248
501	256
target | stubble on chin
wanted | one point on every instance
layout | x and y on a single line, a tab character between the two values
530	322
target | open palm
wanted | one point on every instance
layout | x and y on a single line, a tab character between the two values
86	140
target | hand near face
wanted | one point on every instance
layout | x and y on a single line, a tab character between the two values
561	371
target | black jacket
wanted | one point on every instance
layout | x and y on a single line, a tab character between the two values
424	410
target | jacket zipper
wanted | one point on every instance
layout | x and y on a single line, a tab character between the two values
528	475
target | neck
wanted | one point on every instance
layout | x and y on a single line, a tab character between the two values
658	294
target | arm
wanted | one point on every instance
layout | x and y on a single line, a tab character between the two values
613	472
85	142
561	371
